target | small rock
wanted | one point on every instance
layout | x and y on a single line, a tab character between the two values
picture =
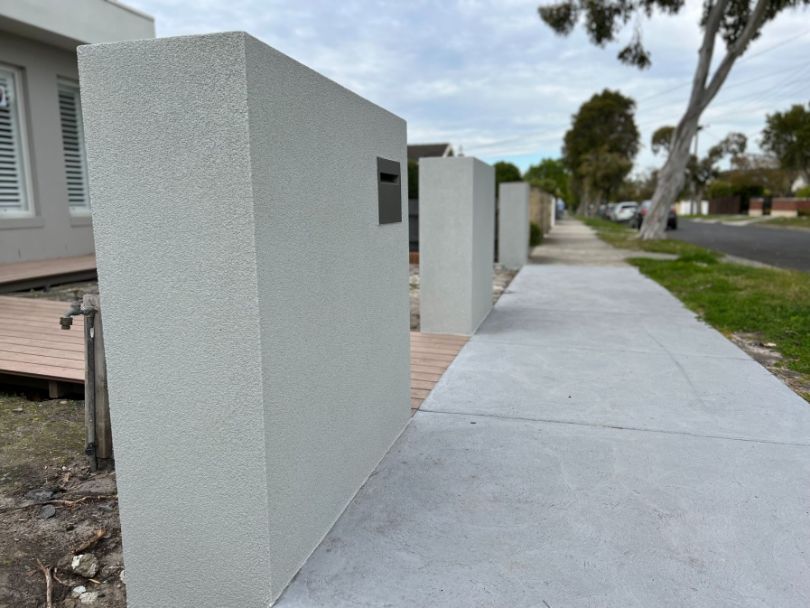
77	591
47	512
63	402
769	345
108	572
88	597
85	565
39	495
122	577
17	409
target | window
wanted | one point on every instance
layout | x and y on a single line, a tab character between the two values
70	113
14	183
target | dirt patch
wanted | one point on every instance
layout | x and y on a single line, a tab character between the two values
765	354
62	293
51	504
500	281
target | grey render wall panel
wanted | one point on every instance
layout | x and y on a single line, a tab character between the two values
256	313
456	242
513	224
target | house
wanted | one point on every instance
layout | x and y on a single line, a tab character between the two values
417	151
44	200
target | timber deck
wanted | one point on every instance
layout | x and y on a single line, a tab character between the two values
431	355
33	346
18	276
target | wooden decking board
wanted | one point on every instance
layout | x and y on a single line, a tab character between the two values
431	355
32	344
45	271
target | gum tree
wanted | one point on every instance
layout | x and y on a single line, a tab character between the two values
736	22
787	136
599	147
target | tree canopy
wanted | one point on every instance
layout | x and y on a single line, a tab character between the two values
662	139
605	20
600	146
787	137
552	176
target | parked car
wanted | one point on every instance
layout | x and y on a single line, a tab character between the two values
623	212
641	213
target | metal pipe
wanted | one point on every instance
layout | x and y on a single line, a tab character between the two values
90	385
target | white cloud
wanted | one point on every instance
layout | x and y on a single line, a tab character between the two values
488	75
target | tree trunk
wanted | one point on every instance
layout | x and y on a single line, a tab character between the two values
670	179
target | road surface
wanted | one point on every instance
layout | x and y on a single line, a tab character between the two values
780	247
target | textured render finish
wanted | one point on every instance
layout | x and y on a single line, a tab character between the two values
456	242
513	224
556	475
256	315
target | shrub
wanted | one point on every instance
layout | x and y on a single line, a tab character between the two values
720	189
803	192
535	234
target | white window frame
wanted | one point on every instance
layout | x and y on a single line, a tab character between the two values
25	158
72	85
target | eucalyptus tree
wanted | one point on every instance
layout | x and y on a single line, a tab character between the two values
736	22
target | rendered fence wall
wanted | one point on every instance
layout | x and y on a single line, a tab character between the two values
456	243
513	224
256	311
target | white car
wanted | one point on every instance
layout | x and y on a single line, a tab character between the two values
624	212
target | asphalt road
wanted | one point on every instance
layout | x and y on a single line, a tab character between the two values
775	246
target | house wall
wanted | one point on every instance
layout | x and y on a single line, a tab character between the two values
276	373
67	23
781	207
51	232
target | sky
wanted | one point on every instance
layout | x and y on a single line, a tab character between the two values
492	79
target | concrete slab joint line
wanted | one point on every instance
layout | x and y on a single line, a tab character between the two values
275	375
456	243
633	457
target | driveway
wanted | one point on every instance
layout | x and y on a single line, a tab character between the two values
779	247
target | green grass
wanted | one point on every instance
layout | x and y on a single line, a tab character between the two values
793	222
624	237
770	303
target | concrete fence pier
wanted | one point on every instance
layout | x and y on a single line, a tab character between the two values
513	224
456	243
253	267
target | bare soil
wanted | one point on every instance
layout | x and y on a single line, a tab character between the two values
62	293
51	504
766	354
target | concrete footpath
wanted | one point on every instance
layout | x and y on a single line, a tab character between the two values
593	445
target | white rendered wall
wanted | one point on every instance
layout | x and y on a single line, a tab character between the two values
513	224
256	314
456	243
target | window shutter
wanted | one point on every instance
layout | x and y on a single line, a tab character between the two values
70	112
13	195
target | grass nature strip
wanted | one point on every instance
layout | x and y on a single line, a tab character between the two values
771	303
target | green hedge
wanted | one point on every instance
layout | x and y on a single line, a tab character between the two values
535	234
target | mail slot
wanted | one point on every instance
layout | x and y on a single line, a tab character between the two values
389	191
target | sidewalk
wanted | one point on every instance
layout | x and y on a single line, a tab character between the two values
592	446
